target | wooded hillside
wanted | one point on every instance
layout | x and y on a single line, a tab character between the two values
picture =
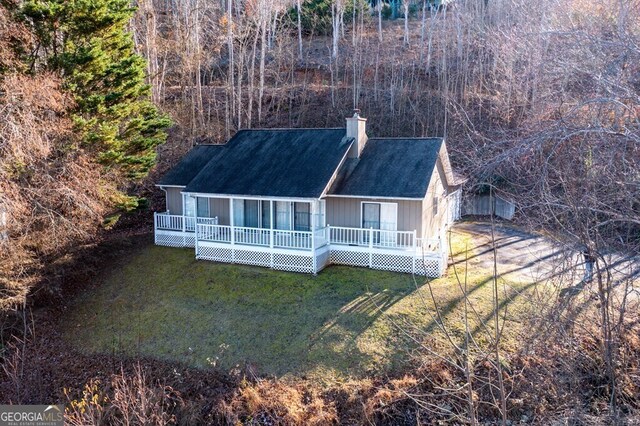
519	89
539	102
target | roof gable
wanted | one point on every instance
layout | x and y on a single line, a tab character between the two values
399	168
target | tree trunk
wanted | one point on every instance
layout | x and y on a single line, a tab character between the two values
299	7
263	49
405	7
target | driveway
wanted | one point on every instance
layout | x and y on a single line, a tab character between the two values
523	256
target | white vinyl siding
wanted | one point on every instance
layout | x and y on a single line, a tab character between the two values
174	200
434	208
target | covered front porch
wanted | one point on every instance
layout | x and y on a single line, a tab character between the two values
284	223
291	234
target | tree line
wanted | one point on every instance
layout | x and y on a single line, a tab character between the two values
78	130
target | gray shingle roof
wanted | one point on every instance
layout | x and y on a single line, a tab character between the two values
278	163
299	163
390	168
190	165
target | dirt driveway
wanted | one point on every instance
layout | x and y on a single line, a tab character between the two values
521	256
535	258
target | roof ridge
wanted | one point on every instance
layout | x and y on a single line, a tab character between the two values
409	137
292	128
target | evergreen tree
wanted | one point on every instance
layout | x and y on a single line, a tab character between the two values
88	43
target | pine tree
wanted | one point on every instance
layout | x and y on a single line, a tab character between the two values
88	43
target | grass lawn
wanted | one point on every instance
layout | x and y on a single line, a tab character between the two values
343	323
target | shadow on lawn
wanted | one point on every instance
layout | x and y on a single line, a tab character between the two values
162	303
358	314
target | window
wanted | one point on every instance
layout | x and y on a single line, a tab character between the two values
238	212
251	213
382	216
266	214
202	206
371	215
189	206
435	205
302	216
283	215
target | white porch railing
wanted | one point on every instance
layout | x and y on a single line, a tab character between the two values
372	237
428	244
254	236
398	251
207	229
169	222
190	222
320	237
347	236
292	239
215	233
172	222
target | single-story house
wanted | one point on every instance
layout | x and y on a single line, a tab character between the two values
301	199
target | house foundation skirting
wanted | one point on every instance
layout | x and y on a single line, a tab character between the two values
430	264
174	238
275	258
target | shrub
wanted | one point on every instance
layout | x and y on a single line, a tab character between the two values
316	15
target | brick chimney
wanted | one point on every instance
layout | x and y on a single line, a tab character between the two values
356	128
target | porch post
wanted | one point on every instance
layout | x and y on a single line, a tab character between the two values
313	249
313	209
195	235
184	222
233	231
184	206
271	223
271	214
371	247
155	227
415	251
